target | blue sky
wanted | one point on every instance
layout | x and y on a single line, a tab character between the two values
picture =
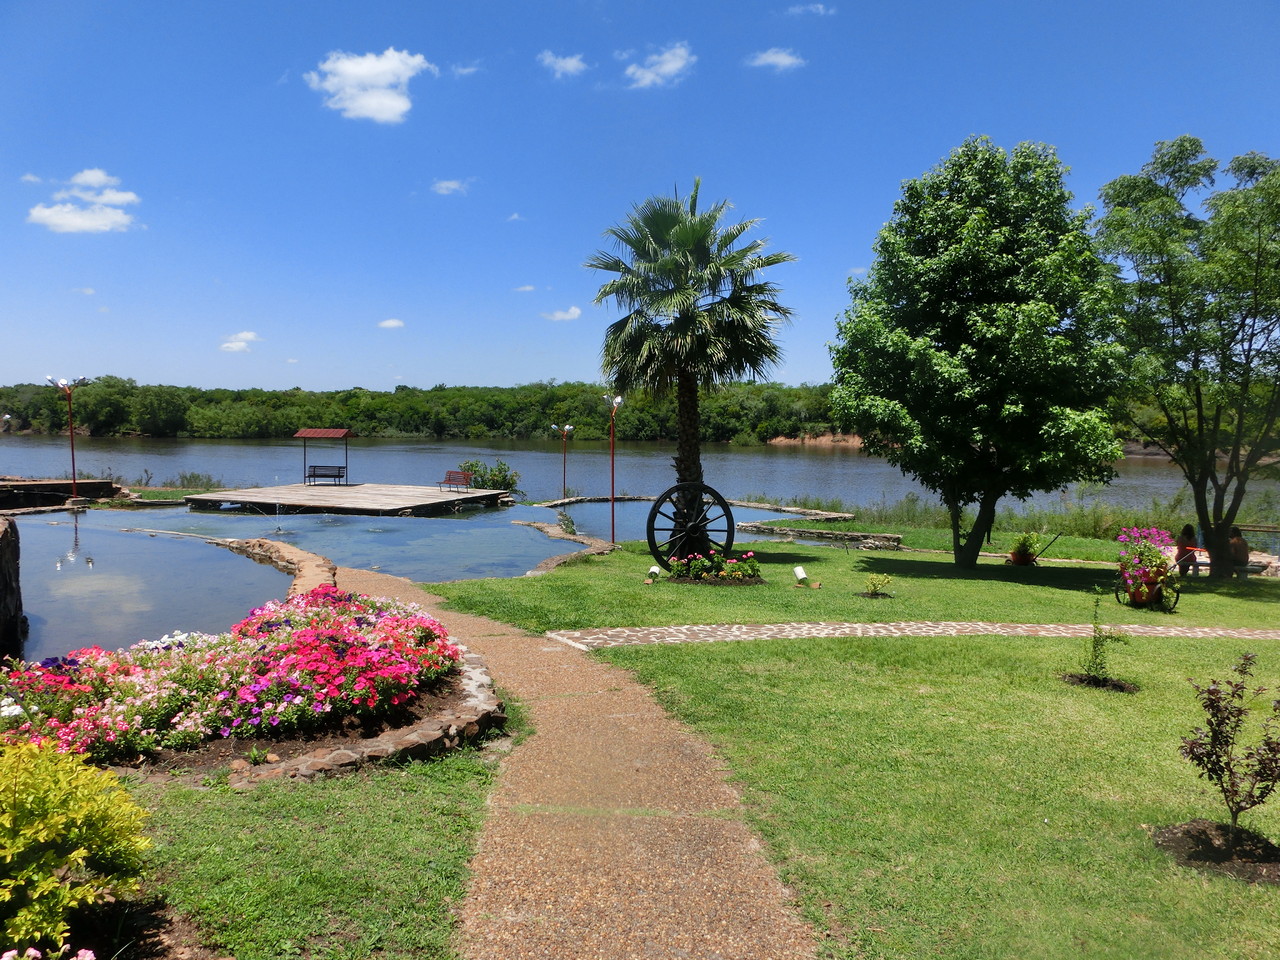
327	195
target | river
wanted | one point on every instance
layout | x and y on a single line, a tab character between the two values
776	473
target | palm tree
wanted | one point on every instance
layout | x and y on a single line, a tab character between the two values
696	316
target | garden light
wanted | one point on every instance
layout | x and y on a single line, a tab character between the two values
67	389
564	458
613	414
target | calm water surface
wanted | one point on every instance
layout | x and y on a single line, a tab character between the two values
776	472
143	586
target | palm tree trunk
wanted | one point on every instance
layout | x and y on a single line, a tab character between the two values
688	459
688	464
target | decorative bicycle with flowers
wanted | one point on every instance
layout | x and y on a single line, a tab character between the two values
1147	577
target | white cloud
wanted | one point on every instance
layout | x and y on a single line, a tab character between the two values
292	360
562	66
30	178
392	324
239	342
446	187
777	58
94	177
560	316
90	205
465	70
667	67
526	288
87	291
371	86
817	9
514	216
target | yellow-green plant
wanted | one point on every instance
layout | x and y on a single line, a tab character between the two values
878	583
69	836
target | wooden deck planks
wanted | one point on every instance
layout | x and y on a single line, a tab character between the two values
368	499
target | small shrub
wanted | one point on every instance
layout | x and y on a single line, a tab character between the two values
1246	776
69	836
878	583
500	476
1094	665
566	523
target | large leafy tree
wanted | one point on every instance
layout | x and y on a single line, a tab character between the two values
696	313
1201	294
973	356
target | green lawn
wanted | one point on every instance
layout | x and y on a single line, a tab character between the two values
364	865
941	796
609	591
936	538
953	797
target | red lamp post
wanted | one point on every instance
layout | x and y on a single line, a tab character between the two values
613	415
67	388
564	457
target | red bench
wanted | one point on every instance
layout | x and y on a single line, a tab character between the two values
456	480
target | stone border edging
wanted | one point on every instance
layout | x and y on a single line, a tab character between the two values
309	570
480	711
863	541
595	546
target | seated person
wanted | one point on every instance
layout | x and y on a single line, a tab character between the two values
1185	552
1239	551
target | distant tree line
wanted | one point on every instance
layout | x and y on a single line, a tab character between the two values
111	406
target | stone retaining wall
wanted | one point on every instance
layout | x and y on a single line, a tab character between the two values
858	541
12	622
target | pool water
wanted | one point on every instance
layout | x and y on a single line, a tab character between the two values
113	577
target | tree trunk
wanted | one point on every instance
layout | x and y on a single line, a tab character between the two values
688	464
966	553
688	459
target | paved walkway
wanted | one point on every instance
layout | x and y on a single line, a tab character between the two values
612	833
714	633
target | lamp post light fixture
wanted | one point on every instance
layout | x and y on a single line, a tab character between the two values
613	415
564	458
68	387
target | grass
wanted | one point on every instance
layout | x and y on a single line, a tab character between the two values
362	865
608	591
1065	547
953	797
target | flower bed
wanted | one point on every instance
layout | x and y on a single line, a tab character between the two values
716	568
290	667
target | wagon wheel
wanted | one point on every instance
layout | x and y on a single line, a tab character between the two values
1170	595
1122	592
689	518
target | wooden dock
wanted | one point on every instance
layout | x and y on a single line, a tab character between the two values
364	499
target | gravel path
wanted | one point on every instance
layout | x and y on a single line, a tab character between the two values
612	833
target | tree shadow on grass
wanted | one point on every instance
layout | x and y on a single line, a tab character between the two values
1052	578
1252	590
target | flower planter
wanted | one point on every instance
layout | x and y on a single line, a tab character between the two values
1146	592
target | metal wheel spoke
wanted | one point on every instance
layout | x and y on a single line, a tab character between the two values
687	517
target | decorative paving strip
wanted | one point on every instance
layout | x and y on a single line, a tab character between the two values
713	633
